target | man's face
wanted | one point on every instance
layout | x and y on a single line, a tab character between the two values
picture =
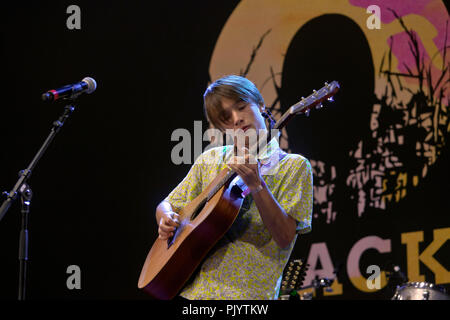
245	116
242	115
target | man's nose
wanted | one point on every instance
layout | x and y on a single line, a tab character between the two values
237	119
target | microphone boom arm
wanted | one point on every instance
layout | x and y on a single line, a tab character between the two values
25	174
22	187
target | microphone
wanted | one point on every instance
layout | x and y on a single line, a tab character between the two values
71	91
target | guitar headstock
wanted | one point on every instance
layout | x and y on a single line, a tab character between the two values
316	98
293	276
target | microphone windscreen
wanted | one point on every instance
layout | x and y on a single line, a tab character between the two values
92	84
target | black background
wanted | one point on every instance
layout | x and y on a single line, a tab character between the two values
96	188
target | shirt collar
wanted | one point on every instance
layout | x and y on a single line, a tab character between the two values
269	151
268	154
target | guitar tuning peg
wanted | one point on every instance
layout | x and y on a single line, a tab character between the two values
307	112
326	83
319	106
331	99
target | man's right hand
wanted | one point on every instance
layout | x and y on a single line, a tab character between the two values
167	224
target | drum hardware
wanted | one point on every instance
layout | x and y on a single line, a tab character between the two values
420	291
408	290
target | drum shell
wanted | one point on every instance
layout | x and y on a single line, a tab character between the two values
420	291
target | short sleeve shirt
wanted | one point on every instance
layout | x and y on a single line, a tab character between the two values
247	263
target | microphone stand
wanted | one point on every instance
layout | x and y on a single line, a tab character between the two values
26	195
23	188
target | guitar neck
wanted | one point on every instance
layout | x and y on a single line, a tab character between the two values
284	119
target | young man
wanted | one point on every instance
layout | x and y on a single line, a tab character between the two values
248	262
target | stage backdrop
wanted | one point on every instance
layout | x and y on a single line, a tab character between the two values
379	153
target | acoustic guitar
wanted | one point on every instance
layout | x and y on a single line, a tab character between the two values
206	219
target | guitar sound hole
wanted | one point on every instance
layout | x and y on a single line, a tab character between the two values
198	209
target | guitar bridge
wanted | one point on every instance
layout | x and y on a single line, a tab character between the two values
178	230
170	241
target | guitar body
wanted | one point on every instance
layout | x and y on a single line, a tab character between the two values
168	267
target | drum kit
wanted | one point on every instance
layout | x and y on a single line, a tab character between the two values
407	290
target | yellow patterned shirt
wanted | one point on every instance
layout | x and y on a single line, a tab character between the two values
247	263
